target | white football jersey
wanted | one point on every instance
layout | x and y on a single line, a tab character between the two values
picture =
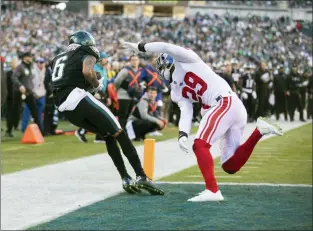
197	83
193	81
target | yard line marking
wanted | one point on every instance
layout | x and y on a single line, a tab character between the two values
26	146
228	176
292	160
217	166
250	167
198	176
14	148
233	183
254	162
36	145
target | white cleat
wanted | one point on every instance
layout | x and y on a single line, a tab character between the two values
266	127
207	195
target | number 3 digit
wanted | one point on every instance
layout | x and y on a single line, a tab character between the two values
192	80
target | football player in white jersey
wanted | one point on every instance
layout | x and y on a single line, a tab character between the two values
223	115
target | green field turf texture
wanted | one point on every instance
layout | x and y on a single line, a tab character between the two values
16	156
244	208
284	160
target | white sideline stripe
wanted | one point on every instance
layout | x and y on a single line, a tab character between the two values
233	183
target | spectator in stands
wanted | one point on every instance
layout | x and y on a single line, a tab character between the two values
215	38
262	80
310	95
280	92
23	81
227	75
51	115
144	118
14	101
39	92
4	91
127	84
293	85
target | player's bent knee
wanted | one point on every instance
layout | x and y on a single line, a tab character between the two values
228	169
199	144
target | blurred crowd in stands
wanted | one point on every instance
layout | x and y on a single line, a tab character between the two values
271	3
266	61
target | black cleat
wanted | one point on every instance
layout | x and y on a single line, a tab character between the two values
145	183
81	136
129	185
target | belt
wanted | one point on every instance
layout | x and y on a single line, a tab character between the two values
217	99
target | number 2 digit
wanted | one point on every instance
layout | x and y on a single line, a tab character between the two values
192	80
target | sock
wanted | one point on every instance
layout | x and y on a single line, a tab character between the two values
115	154
242	154
205	163
82	131
130	152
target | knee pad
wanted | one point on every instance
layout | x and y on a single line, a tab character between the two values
199	144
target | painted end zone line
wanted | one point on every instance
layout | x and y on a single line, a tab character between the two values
233	183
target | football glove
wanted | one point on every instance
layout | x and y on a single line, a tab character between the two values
182	141
134	48
131	48
244	95
254	95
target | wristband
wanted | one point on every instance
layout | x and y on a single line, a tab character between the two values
141	46
181	134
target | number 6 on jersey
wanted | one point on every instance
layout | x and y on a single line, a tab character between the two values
58	68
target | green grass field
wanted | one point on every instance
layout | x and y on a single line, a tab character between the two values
246	207
276	160
16	156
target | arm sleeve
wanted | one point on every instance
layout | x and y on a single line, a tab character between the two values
186	113
178	53
16	77
121	76
143	110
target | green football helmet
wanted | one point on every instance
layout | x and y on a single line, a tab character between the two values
82	37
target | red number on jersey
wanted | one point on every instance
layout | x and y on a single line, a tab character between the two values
192	80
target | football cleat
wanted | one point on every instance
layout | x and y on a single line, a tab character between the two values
81	136
266	127
207	195
145	183
129	185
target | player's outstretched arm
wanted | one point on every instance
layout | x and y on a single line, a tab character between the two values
179	54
